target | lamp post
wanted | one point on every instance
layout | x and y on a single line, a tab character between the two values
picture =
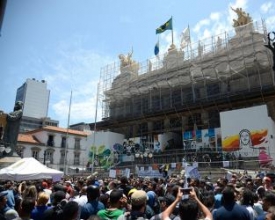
94	137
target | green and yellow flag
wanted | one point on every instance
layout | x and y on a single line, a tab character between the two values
166	26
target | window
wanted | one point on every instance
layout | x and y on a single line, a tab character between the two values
48	157
35	154
62	157
77	144
76	159
63	142
50	141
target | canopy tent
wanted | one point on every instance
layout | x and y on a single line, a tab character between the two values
29	169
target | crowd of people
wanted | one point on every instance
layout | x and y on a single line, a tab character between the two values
240	197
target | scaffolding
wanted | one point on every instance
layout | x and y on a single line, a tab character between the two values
229	66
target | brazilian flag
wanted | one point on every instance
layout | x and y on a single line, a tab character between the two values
166	26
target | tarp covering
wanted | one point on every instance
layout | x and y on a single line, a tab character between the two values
29	169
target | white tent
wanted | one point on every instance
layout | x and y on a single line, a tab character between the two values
29	169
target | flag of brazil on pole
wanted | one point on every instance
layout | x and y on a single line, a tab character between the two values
166	26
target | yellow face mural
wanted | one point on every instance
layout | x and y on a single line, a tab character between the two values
245	138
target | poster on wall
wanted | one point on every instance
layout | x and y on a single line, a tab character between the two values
246	135
206	139
166	141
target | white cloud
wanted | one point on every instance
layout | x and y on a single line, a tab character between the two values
270	23
73	69
266	7
215	16
200	24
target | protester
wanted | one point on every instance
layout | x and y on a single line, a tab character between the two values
10	196
124	185
70	211
230	209
270	215
138	202
58	202
117	202
268	201
92	199
41	206
93	205
165	202
26	208
6	211
81	198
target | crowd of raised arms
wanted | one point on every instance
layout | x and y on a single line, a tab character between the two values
236	198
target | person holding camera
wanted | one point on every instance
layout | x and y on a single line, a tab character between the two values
189	208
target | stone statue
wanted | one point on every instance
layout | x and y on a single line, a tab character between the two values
272	48
12	128
127	64
243	17
125	60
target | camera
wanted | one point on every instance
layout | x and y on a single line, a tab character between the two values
186	190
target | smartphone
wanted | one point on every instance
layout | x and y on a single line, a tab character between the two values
186	190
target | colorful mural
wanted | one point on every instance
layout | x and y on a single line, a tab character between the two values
248	133
202	139
102	156
250	144
246	138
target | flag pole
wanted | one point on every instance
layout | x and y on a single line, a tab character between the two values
94	138
172	31
67	135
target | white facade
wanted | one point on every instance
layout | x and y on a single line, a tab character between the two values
35	96
50	148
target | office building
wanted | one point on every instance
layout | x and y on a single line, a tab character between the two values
35	96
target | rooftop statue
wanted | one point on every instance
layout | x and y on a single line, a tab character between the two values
125	60
243	17
12	128
127	63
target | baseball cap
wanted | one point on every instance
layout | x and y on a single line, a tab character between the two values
139	197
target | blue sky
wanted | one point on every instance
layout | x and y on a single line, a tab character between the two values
66	42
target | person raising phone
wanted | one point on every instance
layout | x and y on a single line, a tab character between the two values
188	208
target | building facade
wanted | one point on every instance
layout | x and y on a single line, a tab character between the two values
58	148
185	91
35	96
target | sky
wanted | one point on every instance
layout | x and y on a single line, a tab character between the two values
67	42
